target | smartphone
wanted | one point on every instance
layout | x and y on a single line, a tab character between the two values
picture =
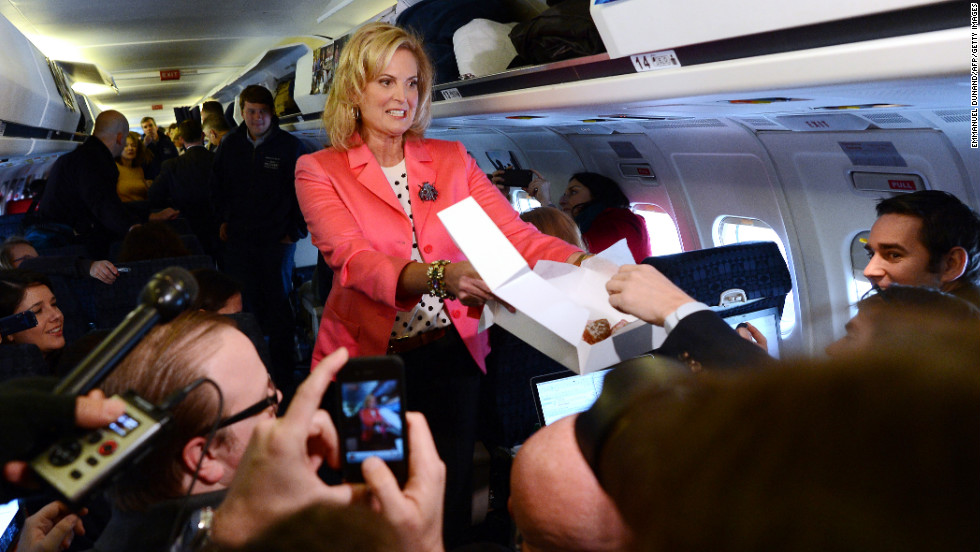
12	517
517	178
370	415
19	322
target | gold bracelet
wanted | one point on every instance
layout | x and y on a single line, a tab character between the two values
581	258
436	273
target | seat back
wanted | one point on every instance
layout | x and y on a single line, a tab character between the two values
11	225
718	275
20	360
110	303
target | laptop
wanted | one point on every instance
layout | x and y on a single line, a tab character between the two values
767	322
564	393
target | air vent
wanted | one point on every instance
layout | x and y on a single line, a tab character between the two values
524	129
886	118
759	123
954	115
697	123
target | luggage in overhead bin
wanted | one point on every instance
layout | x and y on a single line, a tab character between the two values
563	31
438	20
739	278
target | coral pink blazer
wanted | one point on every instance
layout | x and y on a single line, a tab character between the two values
366	237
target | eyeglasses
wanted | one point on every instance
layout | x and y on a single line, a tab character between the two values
272	400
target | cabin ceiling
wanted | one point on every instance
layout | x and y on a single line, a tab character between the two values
210	42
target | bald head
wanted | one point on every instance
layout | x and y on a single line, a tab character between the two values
555	499
111	127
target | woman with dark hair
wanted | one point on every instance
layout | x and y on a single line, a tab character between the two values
132	184
22	290
602	213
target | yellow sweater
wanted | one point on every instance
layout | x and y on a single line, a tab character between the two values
132	185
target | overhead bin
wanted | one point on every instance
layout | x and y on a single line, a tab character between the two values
926	41
637	26
33	106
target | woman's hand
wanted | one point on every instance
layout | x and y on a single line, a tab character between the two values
539	189
466	284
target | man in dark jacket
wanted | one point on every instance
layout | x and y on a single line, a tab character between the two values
184	184
254	196
159	144
80	197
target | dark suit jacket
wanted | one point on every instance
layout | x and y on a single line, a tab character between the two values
704	340
183	185
163	149
81	193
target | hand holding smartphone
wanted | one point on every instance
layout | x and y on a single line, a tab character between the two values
370	415
517	178
19	322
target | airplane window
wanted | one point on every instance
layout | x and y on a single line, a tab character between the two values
859	260
730	230
664	238
521	202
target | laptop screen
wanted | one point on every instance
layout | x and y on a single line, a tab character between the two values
565	393
766	320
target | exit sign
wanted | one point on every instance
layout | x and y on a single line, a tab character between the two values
170	74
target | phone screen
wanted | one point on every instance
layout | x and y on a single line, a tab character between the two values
12	515
371	415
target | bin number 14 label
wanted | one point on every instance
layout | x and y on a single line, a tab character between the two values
654	61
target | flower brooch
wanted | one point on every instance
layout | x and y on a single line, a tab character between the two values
428	192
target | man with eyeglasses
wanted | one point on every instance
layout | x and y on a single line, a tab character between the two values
185	472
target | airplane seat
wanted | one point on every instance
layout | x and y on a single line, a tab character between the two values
110	303
180	225
741	278
190	241
18	360
11	225
73	250
312	295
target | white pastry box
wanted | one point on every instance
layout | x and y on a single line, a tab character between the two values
554	301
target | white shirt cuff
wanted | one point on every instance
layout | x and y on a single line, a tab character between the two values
682	311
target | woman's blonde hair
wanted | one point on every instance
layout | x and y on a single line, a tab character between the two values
365	56
554	222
